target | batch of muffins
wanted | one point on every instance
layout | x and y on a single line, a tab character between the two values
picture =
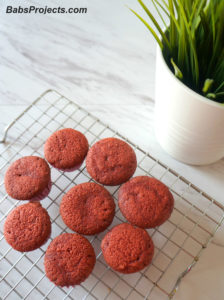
87	208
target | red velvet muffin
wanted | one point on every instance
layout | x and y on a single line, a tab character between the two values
111	161
145	202
66	149
69	259
127	249
27	227
87	208
28	178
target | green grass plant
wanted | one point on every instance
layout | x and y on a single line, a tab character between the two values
192	42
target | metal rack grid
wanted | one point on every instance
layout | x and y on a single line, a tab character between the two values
178	242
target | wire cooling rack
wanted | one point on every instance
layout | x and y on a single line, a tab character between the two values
178	242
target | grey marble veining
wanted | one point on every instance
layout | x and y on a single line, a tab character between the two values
104	60
83	55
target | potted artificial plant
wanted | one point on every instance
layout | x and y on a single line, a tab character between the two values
189	109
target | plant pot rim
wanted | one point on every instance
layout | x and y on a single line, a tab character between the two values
198	96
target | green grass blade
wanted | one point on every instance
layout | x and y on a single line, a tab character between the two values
187	7
211	95
155	23
220	94
219	87
204	23
172	15
177	71
207	85
218	46
158	12
195	68
197	7
149	27
195	4
162	7
196	17
213	20
175	5
172	27
181	45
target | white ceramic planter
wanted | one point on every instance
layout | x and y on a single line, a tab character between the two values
188	126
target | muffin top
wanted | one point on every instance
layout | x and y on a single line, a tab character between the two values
127	249
111	161
27	227
27	177
69	259
87	208
66	148
145	202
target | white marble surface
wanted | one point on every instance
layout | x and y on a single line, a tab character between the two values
103	60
